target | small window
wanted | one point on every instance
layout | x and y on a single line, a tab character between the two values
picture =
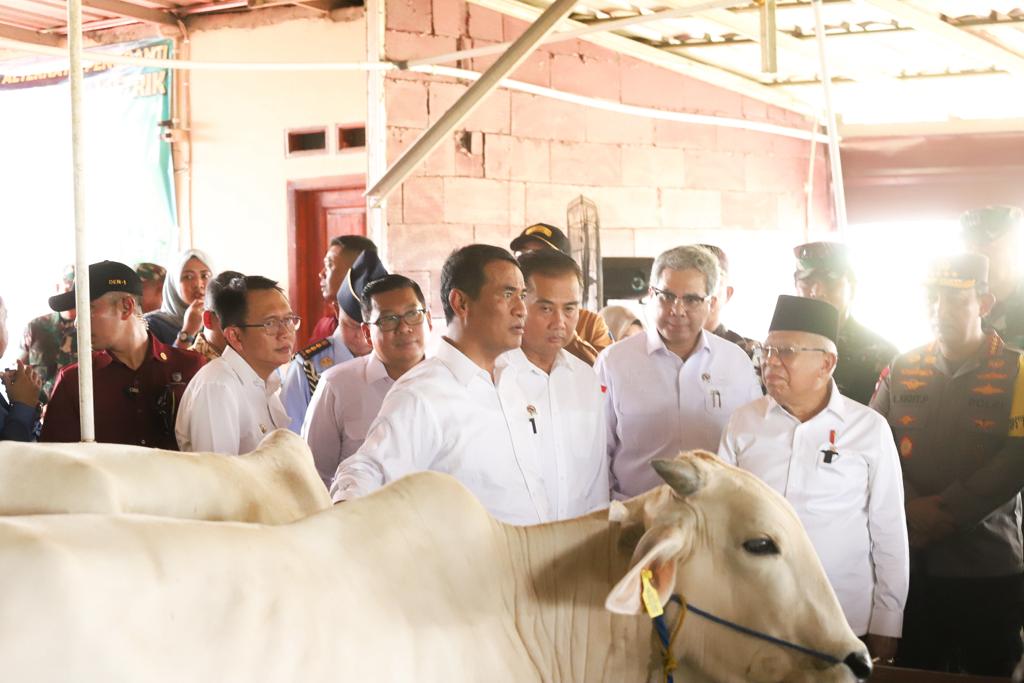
307	141
351	137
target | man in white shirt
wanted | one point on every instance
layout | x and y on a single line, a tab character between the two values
454	412
674	387
567	419
348	396
233	402
835	461
302	375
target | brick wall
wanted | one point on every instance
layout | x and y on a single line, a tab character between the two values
656	183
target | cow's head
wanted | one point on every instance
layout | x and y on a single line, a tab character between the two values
730	545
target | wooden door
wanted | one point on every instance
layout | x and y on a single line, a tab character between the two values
318	211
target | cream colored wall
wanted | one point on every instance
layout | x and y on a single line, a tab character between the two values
240	173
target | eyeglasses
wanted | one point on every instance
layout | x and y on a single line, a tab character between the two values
273	326
670	300
786	354
390	323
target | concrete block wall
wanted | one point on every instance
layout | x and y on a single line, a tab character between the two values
521	158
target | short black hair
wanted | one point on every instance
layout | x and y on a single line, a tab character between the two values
464	270
229	301
216	284
549	262
356	243
388	283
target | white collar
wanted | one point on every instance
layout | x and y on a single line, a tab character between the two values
246	375
459	364
655	342
835	404
375	369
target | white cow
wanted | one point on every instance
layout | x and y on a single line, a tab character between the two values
275	484
418	583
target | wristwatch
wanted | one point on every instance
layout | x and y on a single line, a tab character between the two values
184	338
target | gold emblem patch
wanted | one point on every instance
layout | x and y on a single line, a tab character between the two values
906	447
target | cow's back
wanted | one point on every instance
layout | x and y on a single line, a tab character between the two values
396	586
273	485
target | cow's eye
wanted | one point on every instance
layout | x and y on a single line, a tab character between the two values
761	546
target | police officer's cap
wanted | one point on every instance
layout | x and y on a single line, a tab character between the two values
959	271
544	233
989	223
365	270
830	259
104	277
801	314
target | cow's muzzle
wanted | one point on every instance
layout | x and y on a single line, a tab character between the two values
860	664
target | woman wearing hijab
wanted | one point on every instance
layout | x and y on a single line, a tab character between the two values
180	318
621	322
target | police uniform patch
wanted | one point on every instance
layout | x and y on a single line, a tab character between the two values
906	447
992	375
982	424
326	362
313	348
913	384
987	390
907	420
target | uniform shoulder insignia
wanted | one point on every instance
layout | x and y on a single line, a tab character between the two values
314	348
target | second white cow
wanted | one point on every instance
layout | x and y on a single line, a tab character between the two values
418	583
275	484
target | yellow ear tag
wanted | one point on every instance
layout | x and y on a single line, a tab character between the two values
652	602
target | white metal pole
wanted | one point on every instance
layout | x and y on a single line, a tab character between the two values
376	125
470	99
82	297
838	189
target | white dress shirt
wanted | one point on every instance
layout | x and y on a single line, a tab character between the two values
569	431
447	415
227	408
852	508
347	399
659	405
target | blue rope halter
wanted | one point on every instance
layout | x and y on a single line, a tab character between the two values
664	635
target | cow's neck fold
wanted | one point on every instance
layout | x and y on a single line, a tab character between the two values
562	574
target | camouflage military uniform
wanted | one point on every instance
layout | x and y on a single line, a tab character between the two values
48	345
862	357
1007	319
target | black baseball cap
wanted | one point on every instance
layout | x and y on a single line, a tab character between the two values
104	277
542	232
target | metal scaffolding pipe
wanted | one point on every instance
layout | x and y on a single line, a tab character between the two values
82	295
470	99
838	188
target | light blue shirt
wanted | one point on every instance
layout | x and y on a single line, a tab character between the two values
295	391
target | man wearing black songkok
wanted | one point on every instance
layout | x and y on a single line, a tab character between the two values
834	460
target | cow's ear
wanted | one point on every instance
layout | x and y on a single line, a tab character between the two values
659	550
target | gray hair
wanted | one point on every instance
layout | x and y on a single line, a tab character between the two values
686	258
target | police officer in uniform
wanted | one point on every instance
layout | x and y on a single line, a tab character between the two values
994	231
138	380
823	271
956	409
345	343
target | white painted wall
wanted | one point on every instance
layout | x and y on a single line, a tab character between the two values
240	173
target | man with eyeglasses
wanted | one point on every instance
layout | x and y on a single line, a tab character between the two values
824	271
138	381
956	408
674	387
565	402
233	402
348	396
834	460
457	412
348	341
